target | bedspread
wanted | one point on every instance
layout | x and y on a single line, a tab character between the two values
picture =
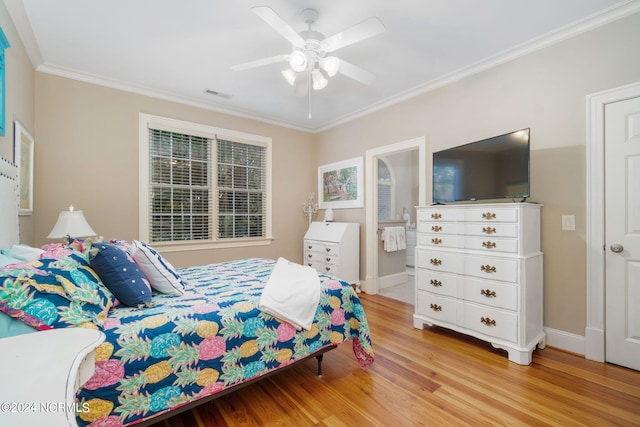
209	339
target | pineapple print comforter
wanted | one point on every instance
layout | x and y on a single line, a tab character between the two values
209	339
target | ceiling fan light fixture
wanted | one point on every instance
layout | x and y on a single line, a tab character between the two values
319	80
330	65
298	61
290	76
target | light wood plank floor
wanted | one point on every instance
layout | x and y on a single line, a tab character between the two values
431	378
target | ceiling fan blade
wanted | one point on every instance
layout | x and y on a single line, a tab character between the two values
261	62
356	73
270	17
367	28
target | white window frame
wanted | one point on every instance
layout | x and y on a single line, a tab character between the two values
148	121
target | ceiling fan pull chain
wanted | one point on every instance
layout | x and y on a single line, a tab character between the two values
309	89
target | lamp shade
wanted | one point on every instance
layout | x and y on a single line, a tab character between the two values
71	223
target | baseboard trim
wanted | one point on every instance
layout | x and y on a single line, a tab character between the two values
565	341
392	280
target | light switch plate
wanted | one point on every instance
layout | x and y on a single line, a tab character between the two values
568	222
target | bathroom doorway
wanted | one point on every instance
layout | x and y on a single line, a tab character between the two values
399	183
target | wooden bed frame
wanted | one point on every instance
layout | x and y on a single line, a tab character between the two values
318	355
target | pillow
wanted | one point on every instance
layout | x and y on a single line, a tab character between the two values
120	274
162	276
54	293
23	252
7	260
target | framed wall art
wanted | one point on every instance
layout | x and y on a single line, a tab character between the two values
340	184
23	157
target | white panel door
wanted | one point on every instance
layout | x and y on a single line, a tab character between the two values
622	227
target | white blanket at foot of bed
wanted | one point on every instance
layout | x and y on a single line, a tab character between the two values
292	293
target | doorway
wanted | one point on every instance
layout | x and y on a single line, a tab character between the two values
372	239
601	256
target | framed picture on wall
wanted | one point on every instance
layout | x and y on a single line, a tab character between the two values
340	184
23	158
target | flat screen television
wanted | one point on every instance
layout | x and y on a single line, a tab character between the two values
493	168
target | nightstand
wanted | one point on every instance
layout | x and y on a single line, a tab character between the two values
41	373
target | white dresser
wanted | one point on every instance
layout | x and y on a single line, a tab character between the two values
479	272
334	248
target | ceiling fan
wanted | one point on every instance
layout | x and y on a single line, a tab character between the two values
310	58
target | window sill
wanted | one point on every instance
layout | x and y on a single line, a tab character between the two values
196	246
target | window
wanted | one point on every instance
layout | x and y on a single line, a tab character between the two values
385	191
4	44
202	185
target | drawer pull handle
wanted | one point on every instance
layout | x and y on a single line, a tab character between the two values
328	259
488	230
328	268
328	249
436	215
435	307
488	215
436	283
488	268
309	255
488	293
487	321
435	261
436	228
488	245
436	241
310	247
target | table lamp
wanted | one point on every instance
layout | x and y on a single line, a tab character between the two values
71	223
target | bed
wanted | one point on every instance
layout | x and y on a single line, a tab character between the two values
179	350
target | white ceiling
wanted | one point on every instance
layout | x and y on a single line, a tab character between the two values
177	49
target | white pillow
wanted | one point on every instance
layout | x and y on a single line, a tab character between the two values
23	252
161	274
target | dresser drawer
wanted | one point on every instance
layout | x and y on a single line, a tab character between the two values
492	268
491	230
439	214
439	261
490	293
323	248
437	307
492	244
491	214
492	322
440	227
437	283
440	240
321	257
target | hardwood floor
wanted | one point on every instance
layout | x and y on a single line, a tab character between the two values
433	377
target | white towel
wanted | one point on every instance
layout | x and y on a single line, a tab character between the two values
401	238
292	293
389	236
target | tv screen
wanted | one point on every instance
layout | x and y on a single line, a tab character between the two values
493	168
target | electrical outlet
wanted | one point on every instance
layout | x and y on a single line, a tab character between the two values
568	222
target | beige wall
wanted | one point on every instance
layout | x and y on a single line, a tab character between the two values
87	139
19	100
545	91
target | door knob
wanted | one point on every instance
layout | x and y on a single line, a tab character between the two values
617	248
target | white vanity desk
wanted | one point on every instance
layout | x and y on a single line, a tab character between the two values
41	373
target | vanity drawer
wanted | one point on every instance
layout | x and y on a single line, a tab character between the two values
487	321
439	227
321	248
437	283
437	307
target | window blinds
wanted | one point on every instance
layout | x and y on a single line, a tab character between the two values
241	189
